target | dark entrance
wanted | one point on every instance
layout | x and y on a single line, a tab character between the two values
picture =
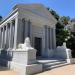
73	53
38	45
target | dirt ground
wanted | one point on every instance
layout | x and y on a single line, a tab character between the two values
65	70
5	71
8	73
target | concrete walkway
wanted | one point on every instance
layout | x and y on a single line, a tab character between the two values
5	71
65	70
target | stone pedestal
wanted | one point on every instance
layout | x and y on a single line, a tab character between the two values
24	60
64	53
68	53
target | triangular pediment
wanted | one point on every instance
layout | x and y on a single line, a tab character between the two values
38	9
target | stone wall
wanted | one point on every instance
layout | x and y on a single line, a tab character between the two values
24	60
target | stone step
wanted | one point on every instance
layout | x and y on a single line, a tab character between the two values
52	63
55	66
49	61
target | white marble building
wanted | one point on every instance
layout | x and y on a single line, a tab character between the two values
31	20
35	22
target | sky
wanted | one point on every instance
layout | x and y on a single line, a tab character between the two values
62	7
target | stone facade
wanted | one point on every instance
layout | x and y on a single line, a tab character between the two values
33	21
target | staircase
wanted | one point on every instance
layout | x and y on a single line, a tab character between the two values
51	63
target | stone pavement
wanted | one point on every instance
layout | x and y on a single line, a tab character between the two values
65	70
5	71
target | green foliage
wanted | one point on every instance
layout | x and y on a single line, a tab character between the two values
61	34
64	20
71	41
1	18
56	16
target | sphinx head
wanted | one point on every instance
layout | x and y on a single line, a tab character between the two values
27	42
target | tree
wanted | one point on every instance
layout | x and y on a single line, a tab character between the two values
56	16
1	18
71	43
61	34
64	20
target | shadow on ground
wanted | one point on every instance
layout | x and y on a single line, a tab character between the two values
5	57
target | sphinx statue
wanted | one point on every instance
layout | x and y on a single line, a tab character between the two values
26	44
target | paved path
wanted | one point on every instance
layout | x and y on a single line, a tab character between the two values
65	70
5	71
8	73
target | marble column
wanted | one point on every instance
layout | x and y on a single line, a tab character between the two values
23	30
12	30
30	31
29	28
54	38
26	28
46	41
11	36
7	35
2	40
15	33
0	37
3	35
45	37
51	38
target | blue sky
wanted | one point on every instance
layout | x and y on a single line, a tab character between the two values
62	7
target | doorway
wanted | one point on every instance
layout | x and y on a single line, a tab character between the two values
38	45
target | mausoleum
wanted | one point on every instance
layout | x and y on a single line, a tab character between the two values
26	35
33	21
